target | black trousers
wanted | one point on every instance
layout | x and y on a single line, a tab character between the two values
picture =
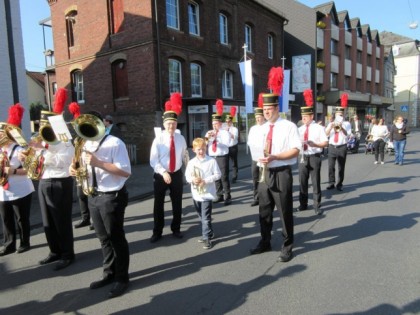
255	171
16	211
277	191
311	166
83	204
56	201
379	146
339	155
233	155
107	212
175	193
223	184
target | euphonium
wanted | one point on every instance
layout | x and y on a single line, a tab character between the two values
87	127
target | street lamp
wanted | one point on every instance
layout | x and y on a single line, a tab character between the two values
413	108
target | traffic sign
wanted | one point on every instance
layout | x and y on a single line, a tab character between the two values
404	108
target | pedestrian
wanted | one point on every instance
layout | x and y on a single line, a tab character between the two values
398	137
255	142
202	172
55	189
15	187
218	147
233	145
338	132
281	146
357	128
111	128
313	139
108	165
166	158
379	133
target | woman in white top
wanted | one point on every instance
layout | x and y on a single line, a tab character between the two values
379	133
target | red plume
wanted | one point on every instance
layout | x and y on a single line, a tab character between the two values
60	99
219	107
307	94
15	114
74	109
275	80
233	111
344	99
260	100
176	102
168	106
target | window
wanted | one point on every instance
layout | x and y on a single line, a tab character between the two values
333	81
223	29
369	60
175	83
359	56
193	18
54	87
347	83
248	37
227	84
172	14
70	25
348	52
195	80
358	85
334	47
120	78
117	16
270	46
77	86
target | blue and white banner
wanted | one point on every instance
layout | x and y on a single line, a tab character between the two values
284	98
247	81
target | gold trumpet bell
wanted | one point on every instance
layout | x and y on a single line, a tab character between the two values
89	127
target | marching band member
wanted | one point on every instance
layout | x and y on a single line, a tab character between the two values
281	148
233	146
166	158
314	140
218	147
15	188
108	165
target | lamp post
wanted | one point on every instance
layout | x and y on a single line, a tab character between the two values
413	108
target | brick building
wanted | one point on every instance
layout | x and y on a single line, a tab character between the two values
124	58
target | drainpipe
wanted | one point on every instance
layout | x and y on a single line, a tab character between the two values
159	105
12	60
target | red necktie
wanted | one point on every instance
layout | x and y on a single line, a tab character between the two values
214	145
336	136
269	139
305	138
172	159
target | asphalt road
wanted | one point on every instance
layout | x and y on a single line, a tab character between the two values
361	257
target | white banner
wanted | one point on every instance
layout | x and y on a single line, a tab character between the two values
247	81
284	99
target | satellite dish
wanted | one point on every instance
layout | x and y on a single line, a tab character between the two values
413	25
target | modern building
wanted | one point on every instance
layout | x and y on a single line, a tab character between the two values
13	85
406	53
125	58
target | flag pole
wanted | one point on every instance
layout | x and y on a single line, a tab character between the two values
246	120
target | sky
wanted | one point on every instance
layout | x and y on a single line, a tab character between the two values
383	15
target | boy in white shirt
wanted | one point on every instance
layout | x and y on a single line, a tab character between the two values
202	172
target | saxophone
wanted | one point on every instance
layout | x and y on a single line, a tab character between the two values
82	176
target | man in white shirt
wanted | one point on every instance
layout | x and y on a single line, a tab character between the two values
233	146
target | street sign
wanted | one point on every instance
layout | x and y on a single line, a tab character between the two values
404	108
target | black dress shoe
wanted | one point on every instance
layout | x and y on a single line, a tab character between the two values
234	180
81	224
331	186
254	203
285	256
301	208
155	238
49	259
228	201
261	248
340	188
23	248
219	199
101	283
91	227
118	289
177	234
63	263
6	251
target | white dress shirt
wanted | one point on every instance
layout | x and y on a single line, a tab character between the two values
316	134
57	159
256	141
223	142
234	135
342	139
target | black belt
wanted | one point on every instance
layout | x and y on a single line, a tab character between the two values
338	146
310	155
102	193
279	168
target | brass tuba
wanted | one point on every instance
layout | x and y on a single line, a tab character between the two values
5	139
87	127
46	132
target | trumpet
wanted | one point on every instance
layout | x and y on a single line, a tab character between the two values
263	169
197	174
337	127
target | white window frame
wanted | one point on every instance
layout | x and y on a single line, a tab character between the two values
270	47
227	84
175	76
194	18
172	14
196	86
223	29
78	86
248	37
